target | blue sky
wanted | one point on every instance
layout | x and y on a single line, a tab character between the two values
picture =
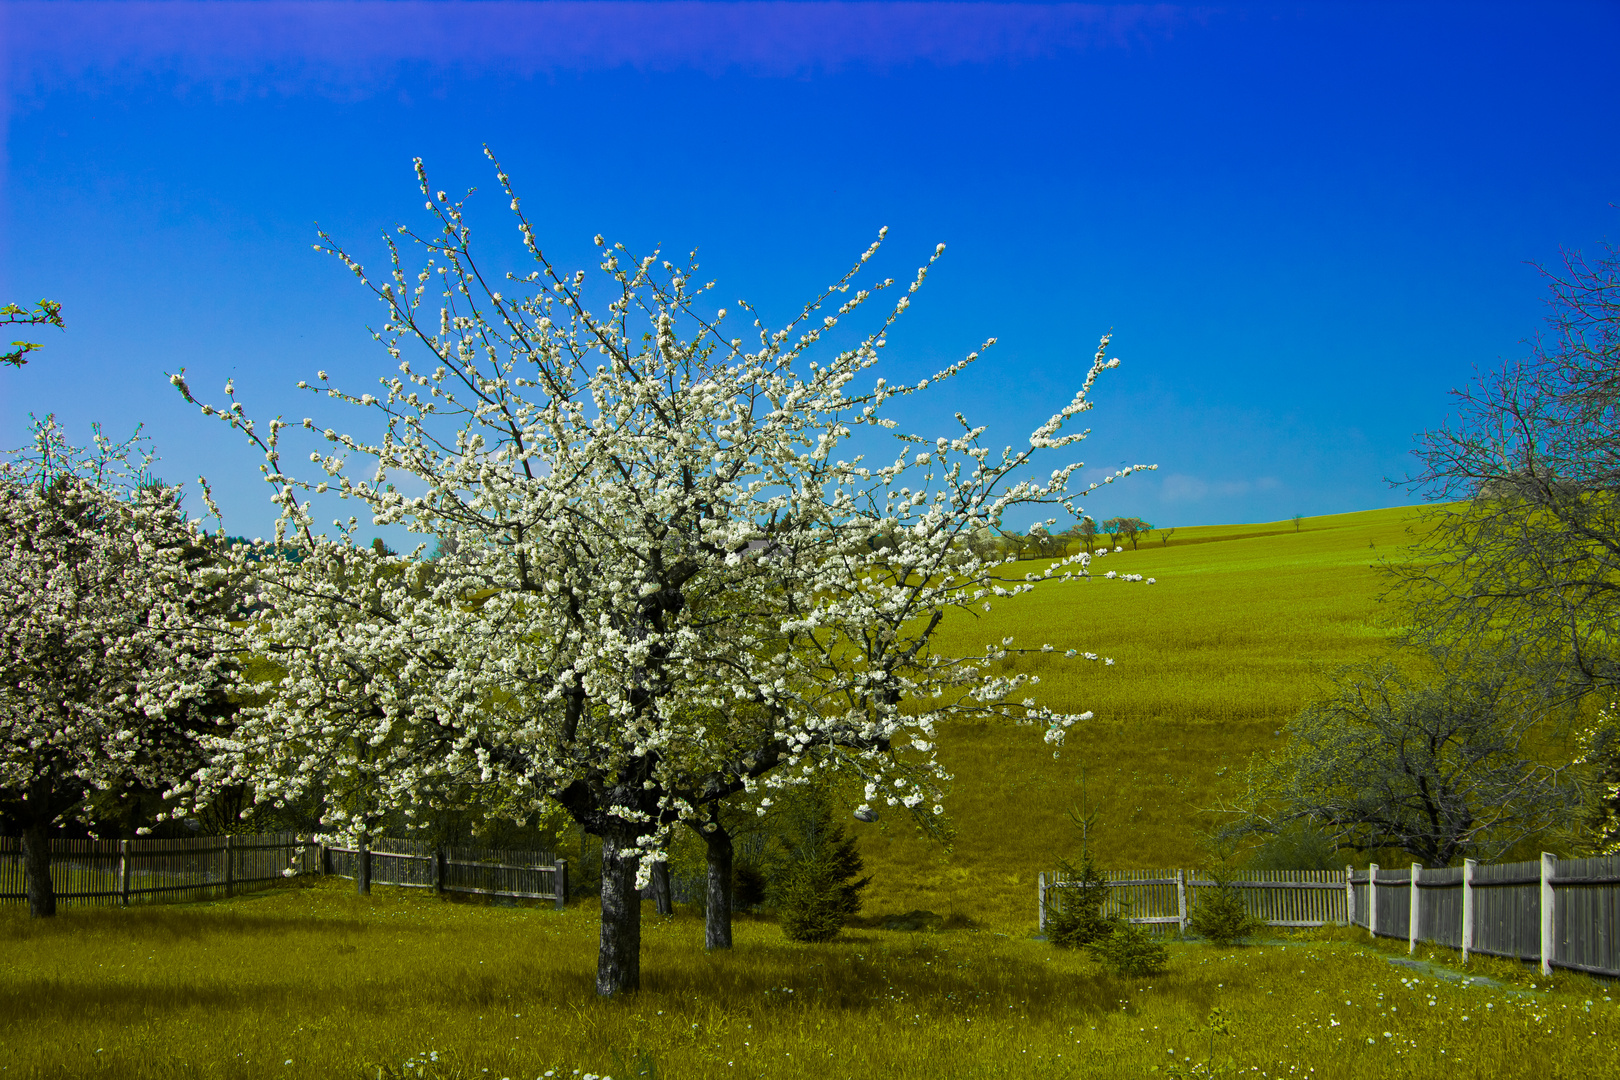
1303	223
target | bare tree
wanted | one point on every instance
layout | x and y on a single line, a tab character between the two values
1440	770
1527	539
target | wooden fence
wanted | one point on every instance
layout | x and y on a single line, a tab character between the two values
531	875
1558	912
1164	898
121	871
207	867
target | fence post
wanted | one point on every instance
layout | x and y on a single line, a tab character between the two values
1040	900
1181	899
438	870
1372	899
326	860
123	872
1414	911
1549	864
1350	895
1468	908
560	883
230	869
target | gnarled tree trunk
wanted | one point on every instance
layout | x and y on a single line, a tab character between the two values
36	849
618	962
717	908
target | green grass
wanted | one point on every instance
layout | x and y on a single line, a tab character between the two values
1241	623
1244	623
1241	629
315	982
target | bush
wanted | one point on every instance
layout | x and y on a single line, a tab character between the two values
1220	914
1075	918
1299	846
747	887
1131	949
814	880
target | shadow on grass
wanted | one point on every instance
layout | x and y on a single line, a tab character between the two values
934	975
160	925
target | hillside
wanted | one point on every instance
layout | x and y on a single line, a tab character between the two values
1239	631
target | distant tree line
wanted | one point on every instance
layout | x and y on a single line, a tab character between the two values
1086	535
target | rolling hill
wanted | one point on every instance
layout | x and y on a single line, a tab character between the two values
1241	628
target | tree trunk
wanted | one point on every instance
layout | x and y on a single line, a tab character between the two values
618	963
662	894
36	846
717	909
362	866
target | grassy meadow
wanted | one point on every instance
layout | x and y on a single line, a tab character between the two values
309	980
1239	631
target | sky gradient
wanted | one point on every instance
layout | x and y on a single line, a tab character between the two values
1304	224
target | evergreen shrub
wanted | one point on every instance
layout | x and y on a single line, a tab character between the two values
1130	949
1075	917
815	880
1219	913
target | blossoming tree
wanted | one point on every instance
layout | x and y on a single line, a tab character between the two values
667	581
108	619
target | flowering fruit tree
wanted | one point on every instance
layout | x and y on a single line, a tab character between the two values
663	577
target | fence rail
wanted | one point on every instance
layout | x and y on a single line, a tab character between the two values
1165	898
1558	912
530	875
125	871
207	867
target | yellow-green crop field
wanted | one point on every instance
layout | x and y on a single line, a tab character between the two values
309	980
1239	631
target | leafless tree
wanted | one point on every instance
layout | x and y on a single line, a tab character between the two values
1438	769
1525	540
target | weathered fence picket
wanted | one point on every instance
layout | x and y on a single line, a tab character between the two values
1559	913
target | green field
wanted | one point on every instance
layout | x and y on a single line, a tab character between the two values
312	981
1241	628
309	980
